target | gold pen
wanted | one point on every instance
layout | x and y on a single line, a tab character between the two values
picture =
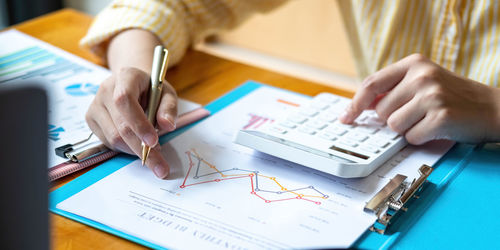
158	71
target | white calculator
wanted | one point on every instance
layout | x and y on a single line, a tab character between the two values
311	135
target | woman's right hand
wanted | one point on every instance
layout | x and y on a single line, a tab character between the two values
117	116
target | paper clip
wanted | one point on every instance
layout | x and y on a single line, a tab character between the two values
71	152
63	150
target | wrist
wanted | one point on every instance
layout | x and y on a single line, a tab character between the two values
132	48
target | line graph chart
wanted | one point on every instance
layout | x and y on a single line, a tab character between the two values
267	188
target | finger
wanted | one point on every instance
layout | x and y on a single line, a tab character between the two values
155	160
125	132
166	117
96	108
377	100
407	116
394	99
131	84
157	163
112	137
96	129
425	130
374	85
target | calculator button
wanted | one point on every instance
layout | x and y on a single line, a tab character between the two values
326	98
356	136
378	142
348	142
288	124
342	104
307	130
374	121
388	133
277	129
309	112
366	129
319	105
327	117
369	149
328	136
335	111
362	117
297	119
316	124
346	126
337	130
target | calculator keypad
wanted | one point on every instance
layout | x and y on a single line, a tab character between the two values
368	135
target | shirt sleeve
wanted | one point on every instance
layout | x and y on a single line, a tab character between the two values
177	23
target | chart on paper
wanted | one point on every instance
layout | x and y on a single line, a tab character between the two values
35	61
70	81
267	188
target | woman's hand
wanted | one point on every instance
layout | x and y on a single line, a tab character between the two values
425	102
116	114
117	117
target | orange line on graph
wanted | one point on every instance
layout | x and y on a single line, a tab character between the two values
287	102
251	175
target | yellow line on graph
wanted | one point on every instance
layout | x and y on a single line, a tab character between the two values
282	187
264	176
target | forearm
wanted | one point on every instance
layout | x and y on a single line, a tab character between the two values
132	48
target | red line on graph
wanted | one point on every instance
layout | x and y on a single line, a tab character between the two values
216	180
254	193
286	199
189	170
250	176
251	182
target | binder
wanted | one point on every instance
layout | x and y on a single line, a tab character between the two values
399	229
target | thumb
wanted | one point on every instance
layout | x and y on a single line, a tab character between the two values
166	117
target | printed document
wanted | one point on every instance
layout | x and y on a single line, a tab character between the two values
71	84
220	195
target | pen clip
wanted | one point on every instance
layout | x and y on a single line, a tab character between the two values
159	67
164	65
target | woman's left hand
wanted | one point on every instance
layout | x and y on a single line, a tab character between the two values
423	101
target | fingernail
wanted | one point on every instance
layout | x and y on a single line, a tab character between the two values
150	139
172	121
159	171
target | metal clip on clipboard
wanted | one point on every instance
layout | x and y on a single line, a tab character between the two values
81	150
391	199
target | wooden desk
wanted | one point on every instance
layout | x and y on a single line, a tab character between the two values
199	77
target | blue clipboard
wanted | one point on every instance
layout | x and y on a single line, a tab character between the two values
445	172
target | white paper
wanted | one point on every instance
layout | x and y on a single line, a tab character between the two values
225	196
70	82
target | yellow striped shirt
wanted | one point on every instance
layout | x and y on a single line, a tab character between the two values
460	35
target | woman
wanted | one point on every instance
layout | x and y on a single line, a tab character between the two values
431	67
